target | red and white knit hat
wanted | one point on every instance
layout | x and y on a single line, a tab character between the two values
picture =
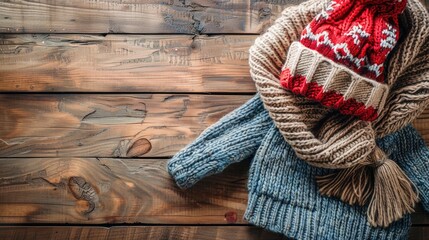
339	60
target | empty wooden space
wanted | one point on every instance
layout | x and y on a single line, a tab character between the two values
97	95
139	16
125	63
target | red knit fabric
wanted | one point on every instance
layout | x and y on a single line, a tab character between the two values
298	85
358	34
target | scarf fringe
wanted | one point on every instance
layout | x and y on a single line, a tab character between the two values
352	185
383	184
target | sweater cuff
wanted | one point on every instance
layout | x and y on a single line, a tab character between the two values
187	172
233	138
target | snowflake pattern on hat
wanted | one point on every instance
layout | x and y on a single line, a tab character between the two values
344	49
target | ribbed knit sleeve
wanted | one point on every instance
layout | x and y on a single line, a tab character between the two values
409	150
233	138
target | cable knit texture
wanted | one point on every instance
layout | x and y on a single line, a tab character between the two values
356	34
351	40
296	117
299	119
324	137
283	195
308	73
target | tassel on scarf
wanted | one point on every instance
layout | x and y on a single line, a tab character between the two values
390	193
352	185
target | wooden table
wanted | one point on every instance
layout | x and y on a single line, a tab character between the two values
97	95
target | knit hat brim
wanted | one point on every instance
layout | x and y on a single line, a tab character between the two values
308	73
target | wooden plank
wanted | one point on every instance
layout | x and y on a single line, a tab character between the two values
44	183
139	233
156	233
139	16
109	125
419	233
91	191
420	216
125	63
87	125
104	190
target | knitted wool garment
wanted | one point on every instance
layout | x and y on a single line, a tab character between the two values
323	136
283	196
339	60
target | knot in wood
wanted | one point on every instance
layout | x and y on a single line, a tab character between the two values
139	147
82	190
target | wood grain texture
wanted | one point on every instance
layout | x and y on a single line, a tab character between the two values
114	191
125	63
112	125
99	191
139	233
139	16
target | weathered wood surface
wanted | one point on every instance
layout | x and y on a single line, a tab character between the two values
105	190
139	16
125	63
91	191
112	125
138	233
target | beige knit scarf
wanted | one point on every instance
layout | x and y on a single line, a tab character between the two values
325	138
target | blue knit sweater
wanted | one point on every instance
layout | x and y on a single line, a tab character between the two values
283	195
